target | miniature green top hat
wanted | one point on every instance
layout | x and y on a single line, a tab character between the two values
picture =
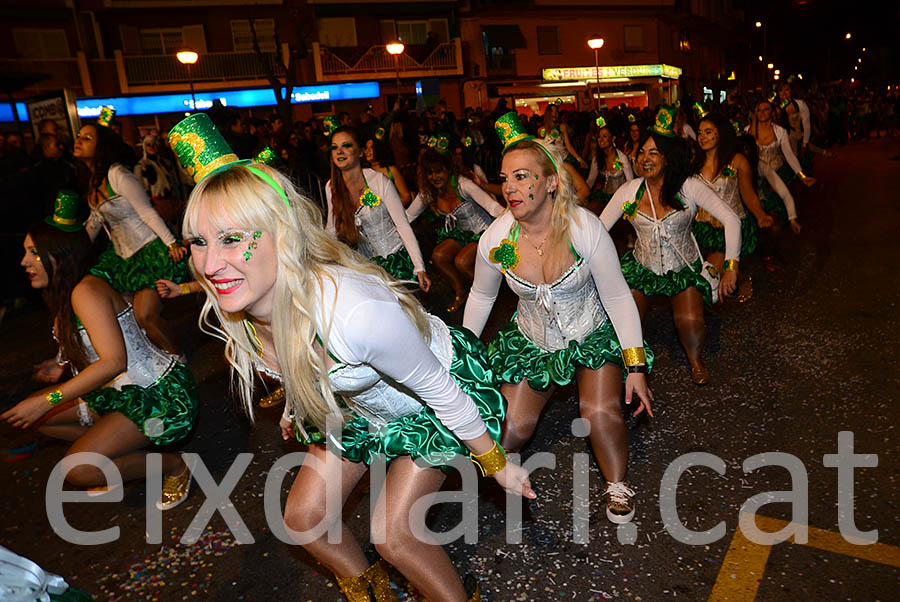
265	157
380	133
65	212
601	122
467	141
700	110
631	118
511	130
737	127
440	143
106	116
200	147
331	123
664	124
558	101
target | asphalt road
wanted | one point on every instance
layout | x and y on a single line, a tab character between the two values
813	354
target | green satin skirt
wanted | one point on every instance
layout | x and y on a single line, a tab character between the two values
513	357
141	270
463	237
397	264
712	239
422	435
165	411
669	284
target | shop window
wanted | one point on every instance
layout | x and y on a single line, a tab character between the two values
242	36
41	43
548	40
634	38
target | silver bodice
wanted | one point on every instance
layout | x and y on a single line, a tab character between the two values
147	363
468	216
614	179
125	228
770	154
378	234
662	243
552	315
728	190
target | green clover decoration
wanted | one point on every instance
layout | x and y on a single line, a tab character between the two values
729	171
369	199
506	254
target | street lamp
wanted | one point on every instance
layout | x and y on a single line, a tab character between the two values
770	66
595	44
189	57
758	24
396	49
848	36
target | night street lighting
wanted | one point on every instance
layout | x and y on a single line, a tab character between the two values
595	44
187	58
758	24
770	66
848	36
396	49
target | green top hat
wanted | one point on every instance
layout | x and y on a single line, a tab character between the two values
601	122
440	142
380	133
265	157
467	141
200	147
331	123
631	118
700	110
106	116
558	101
664	124
65	212
511	130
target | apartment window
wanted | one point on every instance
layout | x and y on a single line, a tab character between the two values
242	35
412	32
634	38
41	43
161	41
548	40
337	31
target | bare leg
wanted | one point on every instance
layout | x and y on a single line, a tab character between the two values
306	508
465	261
688	309
444	257
422	561
599	392
148	312
523	411
65	425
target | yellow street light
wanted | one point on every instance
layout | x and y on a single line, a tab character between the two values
758	24
770	66
188	57
595	44
396	49
778	72
848	36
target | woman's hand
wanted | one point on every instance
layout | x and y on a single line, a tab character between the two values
177	253
167	289
514	480
424	281
764	221
795	226
636	383
287	428
808	181
728	283
48	371
26	412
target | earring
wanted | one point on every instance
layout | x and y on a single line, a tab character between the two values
252	245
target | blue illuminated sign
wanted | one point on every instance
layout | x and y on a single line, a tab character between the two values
177	103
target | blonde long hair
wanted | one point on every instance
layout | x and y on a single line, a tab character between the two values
565	200
236	198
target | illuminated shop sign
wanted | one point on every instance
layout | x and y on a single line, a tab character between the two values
176	103
591	73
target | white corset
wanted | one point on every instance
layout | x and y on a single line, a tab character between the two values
378	234
726	189
657	240
552	315
469	217
770	154
125	228
614	179
147	363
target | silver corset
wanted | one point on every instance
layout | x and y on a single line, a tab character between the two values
661	244
147	363
378	234
125	228
770	154
469	216
728	190
614	179
552	315
377	400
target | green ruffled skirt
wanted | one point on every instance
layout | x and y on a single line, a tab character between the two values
513	357
599	196
422	435
669	284
463	237
770	200
165	411
398	264
711	239
141	270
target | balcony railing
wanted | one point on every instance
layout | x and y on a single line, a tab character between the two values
160	70
374	62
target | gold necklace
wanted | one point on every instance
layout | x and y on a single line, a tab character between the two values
539	248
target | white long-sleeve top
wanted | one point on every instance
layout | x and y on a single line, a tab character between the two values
595	170
780	188
385	370
562	305
769	152
804	119
467	190
383	225
129	218
666	243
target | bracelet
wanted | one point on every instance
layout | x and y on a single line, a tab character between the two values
491	461
639	368
731	265
55	397
174	246
802	175
185	288
634	355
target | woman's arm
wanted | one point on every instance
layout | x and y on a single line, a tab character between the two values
626	165
416	208
703	196
780	189
471	190
484	289
582	192
613	210
402	188
594	173
564	130
329	219
748	190
391	200
126	184
784	142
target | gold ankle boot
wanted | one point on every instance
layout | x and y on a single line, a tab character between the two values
372	585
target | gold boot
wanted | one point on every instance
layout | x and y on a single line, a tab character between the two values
372	585
468	582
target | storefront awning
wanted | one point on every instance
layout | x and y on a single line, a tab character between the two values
505	36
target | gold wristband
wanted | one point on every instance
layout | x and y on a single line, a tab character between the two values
185	288
731	265
55	397
634	355
802	175
491	461
174	246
